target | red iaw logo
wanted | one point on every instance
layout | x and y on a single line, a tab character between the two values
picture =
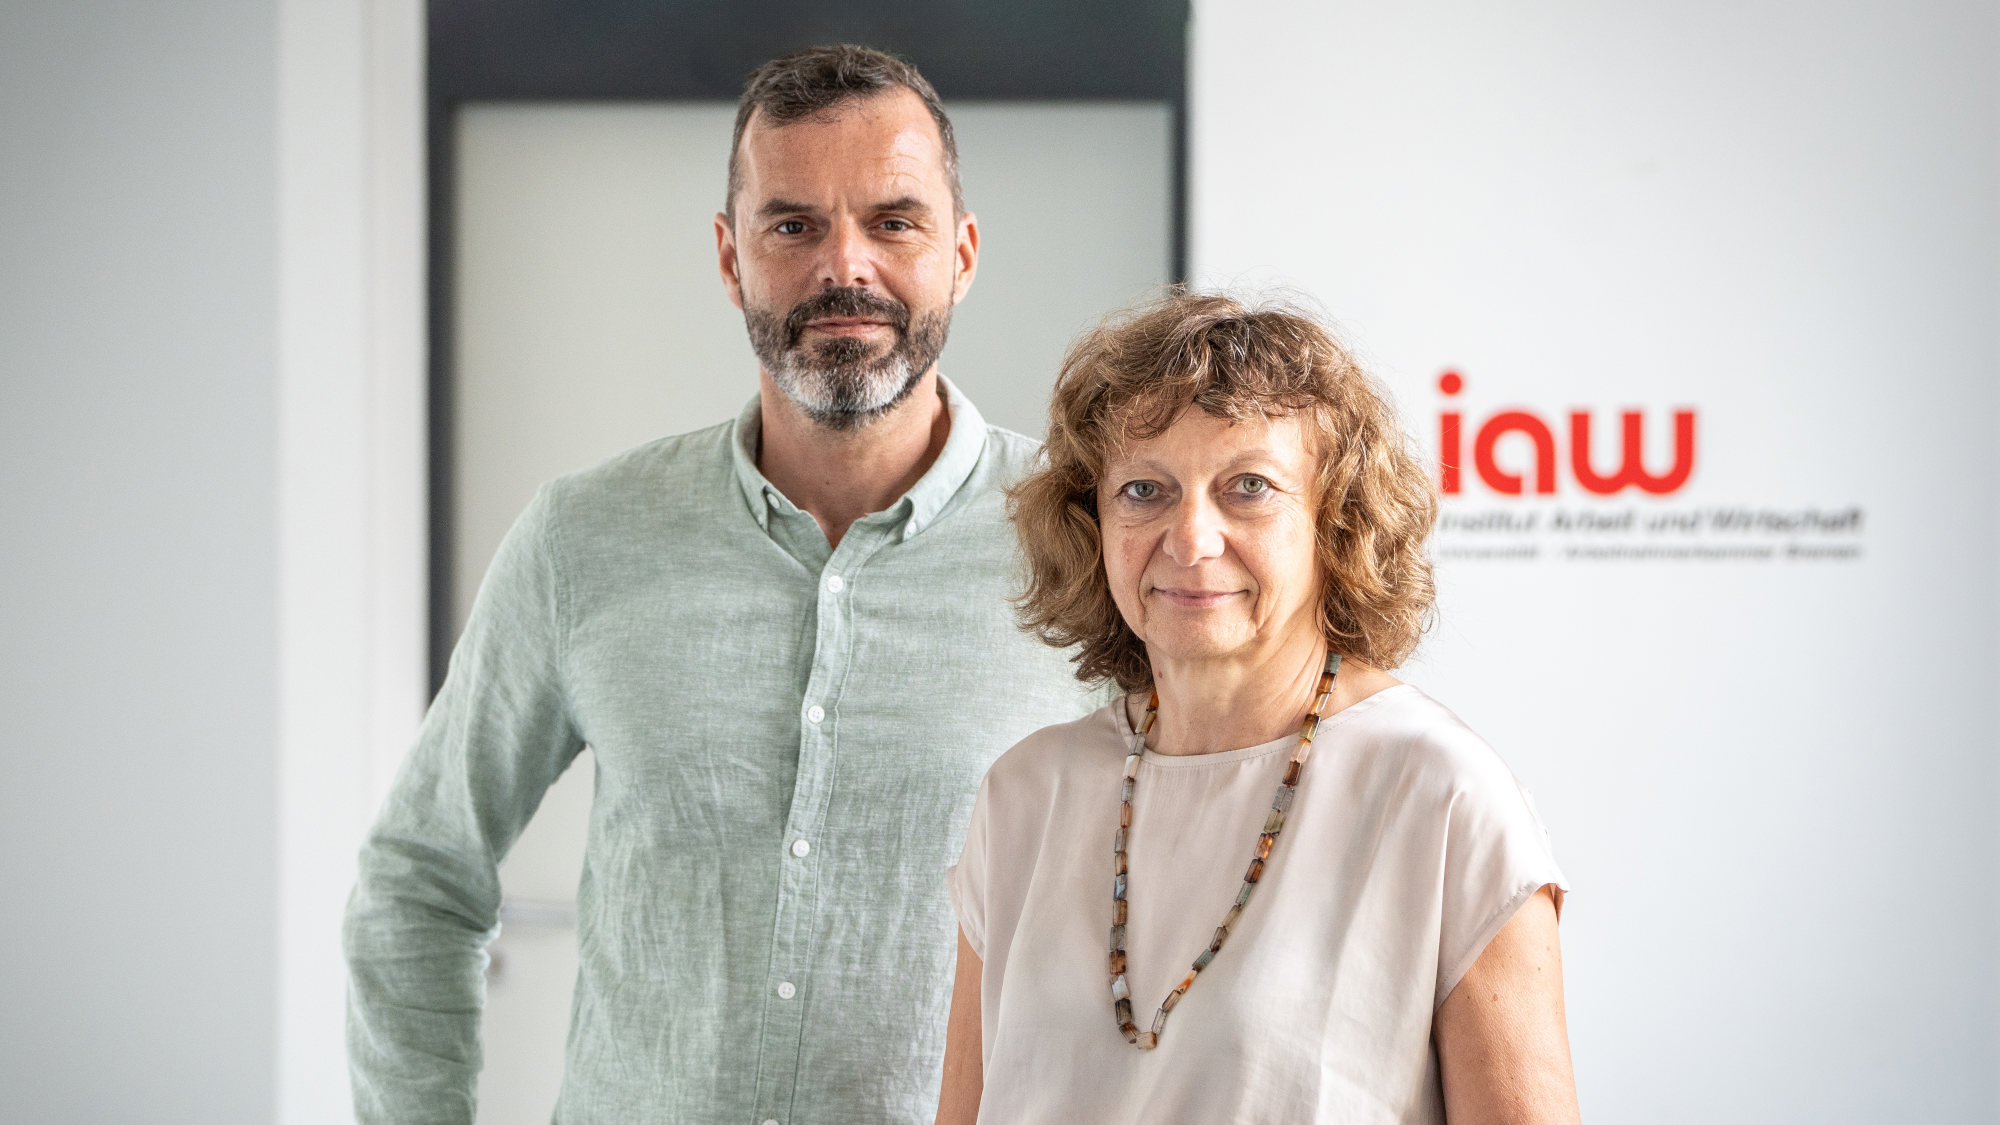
1631	471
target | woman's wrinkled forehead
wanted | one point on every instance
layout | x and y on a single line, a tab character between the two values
1144	419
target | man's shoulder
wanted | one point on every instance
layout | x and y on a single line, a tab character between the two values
1004	459
1011	455
680	468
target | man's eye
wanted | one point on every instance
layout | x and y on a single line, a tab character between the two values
1141	490
896	226
792	226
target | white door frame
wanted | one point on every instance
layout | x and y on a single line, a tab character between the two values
352	487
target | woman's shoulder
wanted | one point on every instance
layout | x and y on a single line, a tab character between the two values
1060	754
1405	731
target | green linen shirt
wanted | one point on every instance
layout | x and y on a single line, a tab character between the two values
788	740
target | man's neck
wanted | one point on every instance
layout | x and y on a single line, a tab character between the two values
841	475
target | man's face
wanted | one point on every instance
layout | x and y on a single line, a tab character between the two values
845	256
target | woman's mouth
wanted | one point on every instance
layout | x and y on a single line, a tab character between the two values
1194	598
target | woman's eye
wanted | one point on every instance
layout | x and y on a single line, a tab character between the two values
1251	486
792	226
1141	490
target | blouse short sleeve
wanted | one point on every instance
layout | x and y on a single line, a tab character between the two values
1496	856
966	879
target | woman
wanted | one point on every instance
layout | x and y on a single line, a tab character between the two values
1270	883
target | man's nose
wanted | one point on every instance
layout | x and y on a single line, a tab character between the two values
1196	532
846	258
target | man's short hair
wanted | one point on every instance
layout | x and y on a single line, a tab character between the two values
816	83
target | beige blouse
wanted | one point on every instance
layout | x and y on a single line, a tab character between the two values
1408	847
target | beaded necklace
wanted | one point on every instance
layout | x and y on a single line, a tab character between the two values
1121	993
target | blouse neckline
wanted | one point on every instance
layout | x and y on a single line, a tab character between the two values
1122	723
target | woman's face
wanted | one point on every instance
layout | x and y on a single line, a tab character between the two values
1208	537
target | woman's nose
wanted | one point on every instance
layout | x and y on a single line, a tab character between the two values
1196	533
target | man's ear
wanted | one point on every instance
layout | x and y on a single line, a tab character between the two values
726	261
967	252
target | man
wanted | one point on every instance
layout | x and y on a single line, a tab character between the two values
786	640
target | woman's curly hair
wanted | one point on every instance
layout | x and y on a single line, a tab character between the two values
1131	378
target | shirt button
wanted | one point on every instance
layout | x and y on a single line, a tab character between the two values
815	713
801	849
835	584
787	990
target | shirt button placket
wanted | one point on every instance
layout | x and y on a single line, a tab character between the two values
777	1086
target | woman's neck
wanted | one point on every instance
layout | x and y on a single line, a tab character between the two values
1207	707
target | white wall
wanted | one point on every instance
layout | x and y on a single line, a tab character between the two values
211	527
138	541
1771	780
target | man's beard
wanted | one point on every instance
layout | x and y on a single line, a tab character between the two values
836	383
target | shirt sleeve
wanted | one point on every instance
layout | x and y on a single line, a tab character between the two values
1496	856
427	899
966	879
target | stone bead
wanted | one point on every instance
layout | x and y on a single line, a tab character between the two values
1118	936
1173	998
1131	766
1221	935
1243	896
1123	1010
1319	704
1186	983
1202	961
1311	728
1118	886
1120	859
1125	794
1121	993
1131	1031
1159	1022
1235	912
1118	963
1125	815
1256	871
1283	802
1275	821
1325	683
1264	843
1118	910
1147	1040
1291	779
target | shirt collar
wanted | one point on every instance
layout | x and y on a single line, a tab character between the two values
920	505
